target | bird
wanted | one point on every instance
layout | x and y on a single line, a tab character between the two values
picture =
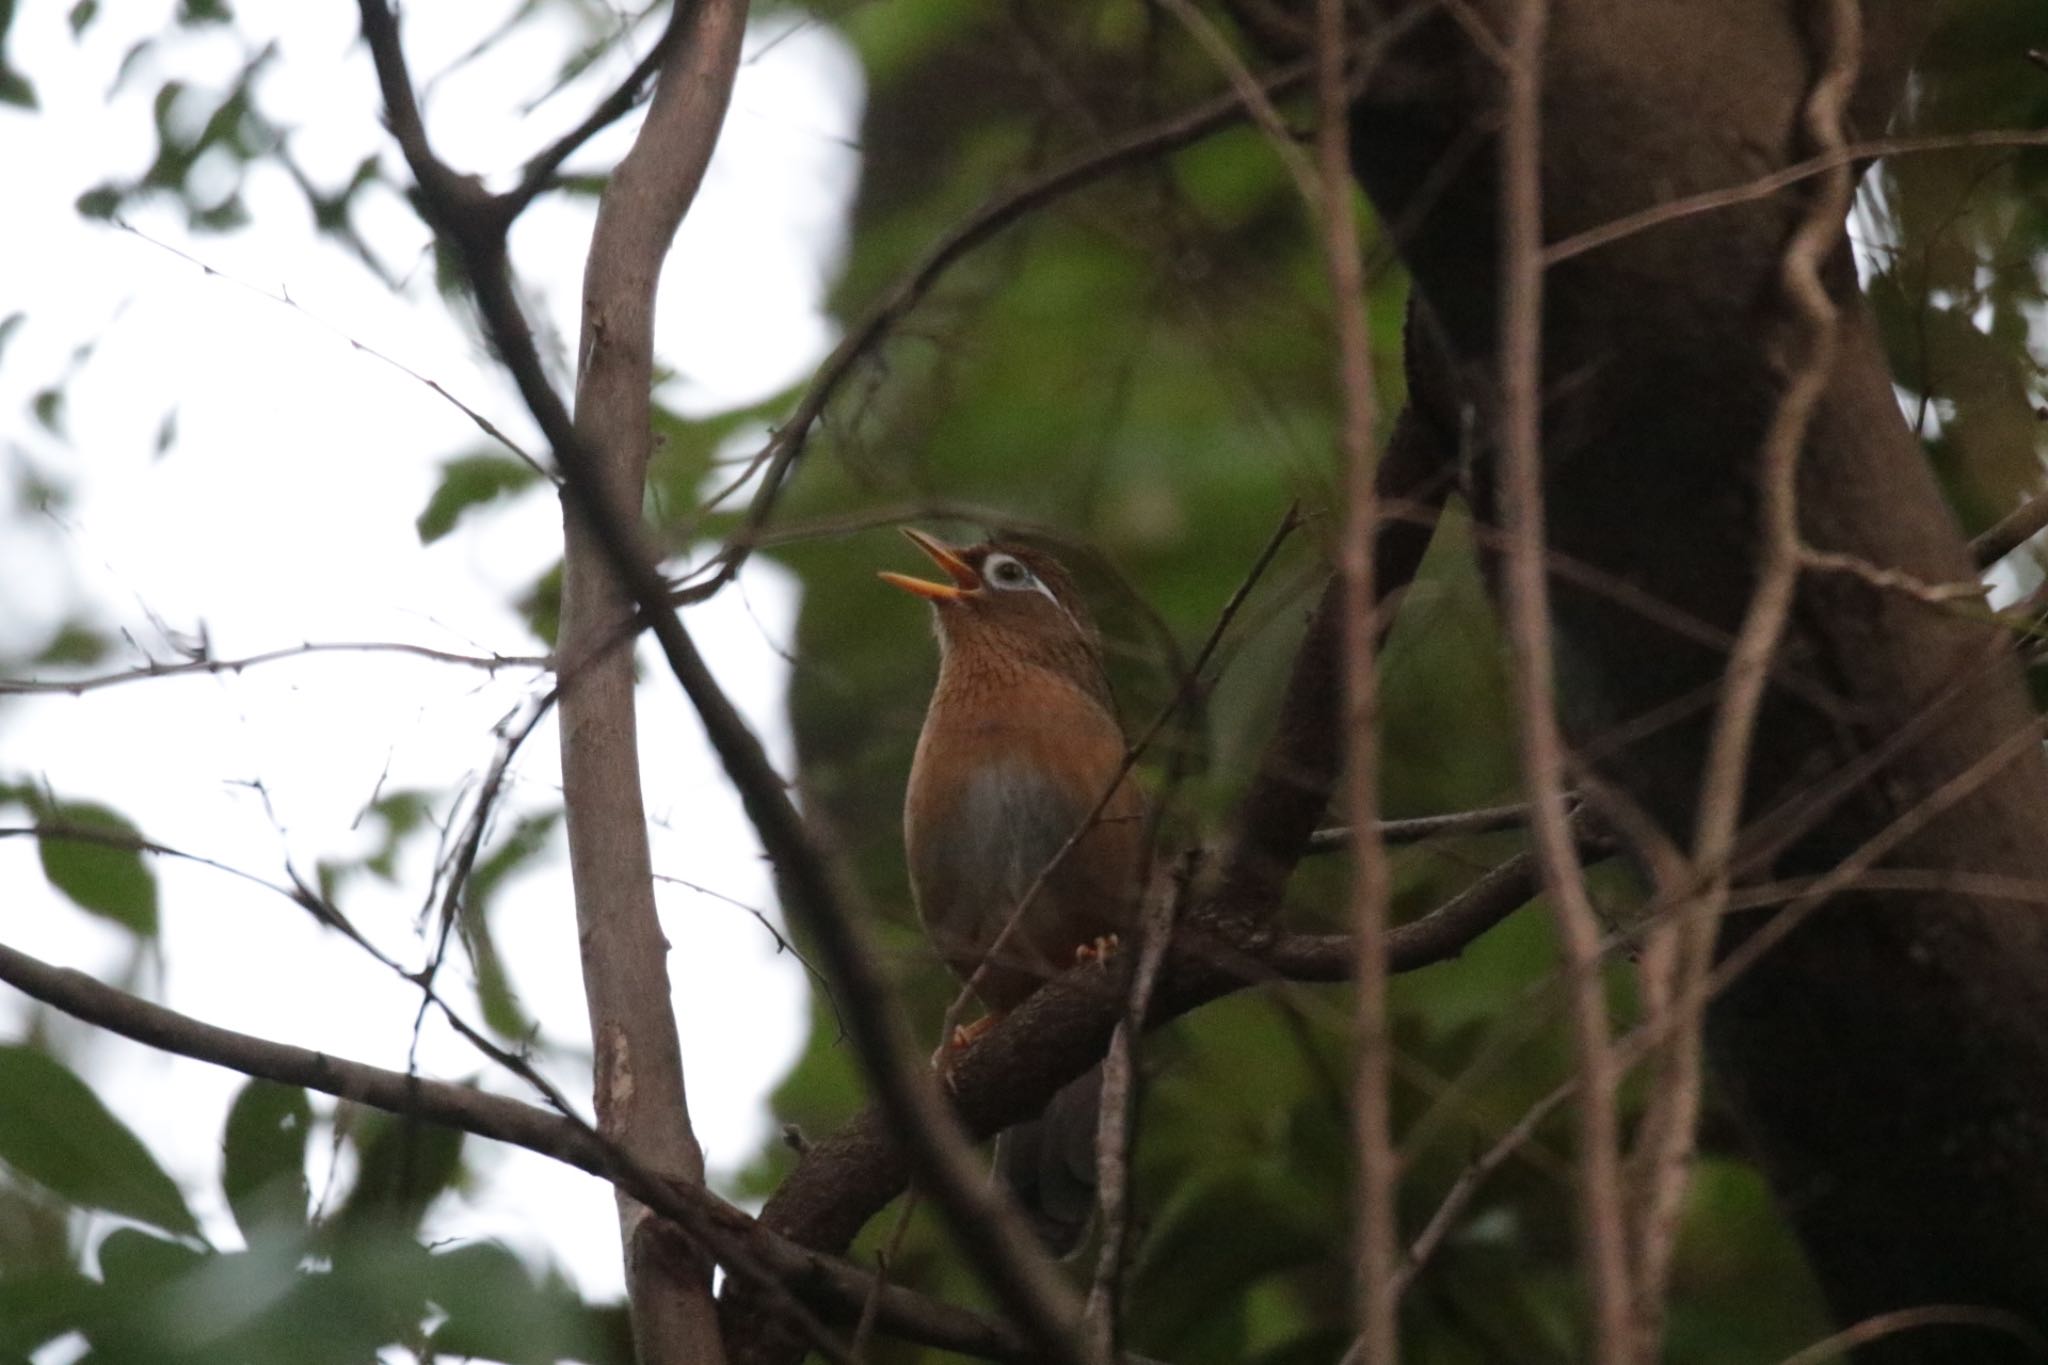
1021	754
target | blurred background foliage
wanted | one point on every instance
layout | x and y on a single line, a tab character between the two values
1138	376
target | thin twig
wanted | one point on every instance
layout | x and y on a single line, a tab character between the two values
481	422
1764	186
539	172
204	663
1911	1319
1422	829
1118	1111
2013	530
1374	1199
1809	358
864	1330
1543	756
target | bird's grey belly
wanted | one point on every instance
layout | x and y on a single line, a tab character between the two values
1003	829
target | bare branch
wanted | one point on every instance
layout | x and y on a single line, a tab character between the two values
1841	156
1809	359
1119	1108
1528	609
2013	530
1422	829
1909	1319
1437	937
481	422
1374	1200
206	663
539	173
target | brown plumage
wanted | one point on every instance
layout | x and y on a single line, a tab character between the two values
1019	745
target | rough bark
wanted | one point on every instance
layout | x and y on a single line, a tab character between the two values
1890	1058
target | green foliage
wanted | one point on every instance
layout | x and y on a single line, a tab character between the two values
406	1165
74	645
263	1168
55	1131
338	1291
469	482
14	87
527	839
1955	242
94	855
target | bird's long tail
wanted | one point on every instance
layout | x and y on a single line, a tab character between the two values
1048	1163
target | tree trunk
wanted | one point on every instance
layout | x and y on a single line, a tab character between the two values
1889	1060
640	1099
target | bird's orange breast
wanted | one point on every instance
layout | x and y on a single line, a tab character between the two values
1010	764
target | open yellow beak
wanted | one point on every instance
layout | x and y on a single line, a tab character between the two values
965	579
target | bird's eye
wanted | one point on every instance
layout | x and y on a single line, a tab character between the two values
1006	572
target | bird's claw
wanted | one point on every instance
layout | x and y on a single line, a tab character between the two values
966	1034
1099	951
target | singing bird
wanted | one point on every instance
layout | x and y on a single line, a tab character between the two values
1019	747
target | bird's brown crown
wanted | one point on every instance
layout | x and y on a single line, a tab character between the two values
1007	605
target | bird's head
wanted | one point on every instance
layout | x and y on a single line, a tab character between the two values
1006	597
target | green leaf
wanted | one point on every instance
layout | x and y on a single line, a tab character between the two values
496	1311
74	644
404	1166
81	16
402	814
105	875
101	202
42	1305
55	1131
48	406
263	1169
502	1010
469	482
15	89
541	606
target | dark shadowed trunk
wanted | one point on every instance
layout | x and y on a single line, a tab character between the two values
1889	1060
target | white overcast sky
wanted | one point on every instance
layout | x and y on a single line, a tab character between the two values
283	513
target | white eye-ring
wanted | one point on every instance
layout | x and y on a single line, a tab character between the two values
1005	572
1012	575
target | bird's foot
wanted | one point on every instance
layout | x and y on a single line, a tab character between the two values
966	1034
1100	951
